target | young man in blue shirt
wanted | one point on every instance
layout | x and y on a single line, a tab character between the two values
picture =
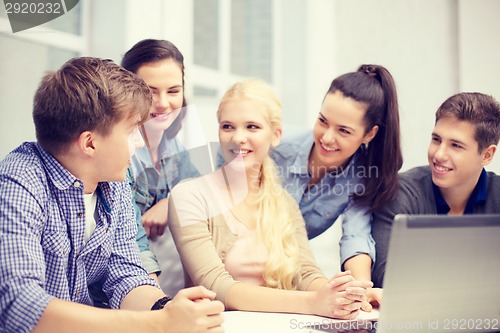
66	216
463	142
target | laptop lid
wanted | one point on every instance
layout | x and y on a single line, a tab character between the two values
442	274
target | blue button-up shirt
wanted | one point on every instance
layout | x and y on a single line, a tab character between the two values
151	185
325	201
42	250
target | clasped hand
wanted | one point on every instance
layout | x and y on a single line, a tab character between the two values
342	297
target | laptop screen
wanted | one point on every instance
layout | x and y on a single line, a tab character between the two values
442	274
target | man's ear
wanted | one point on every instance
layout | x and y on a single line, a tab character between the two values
487	154
86	143
278	132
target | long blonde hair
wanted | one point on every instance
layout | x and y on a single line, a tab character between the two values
276	225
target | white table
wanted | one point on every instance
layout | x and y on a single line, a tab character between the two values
265	322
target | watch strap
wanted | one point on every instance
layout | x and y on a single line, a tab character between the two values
160	304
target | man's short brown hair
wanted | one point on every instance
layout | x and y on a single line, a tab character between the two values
86	94
481	110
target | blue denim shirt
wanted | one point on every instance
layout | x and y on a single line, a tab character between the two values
150	186
148	258
42	225
332	196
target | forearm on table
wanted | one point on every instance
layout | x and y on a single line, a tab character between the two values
141	298
360	266
247	297
316	284
63	316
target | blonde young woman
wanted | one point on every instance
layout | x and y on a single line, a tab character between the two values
241	235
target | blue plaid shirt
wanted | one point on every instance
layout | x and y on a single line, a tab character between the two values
42	251
322	204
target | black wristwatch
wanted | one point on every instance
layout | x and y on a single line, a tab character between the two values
160	304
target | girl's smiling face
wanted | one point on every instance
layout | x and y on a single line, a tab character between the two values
339	131
164	78
245	131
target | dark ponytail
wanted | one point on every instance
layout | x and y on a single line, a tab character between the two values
374	86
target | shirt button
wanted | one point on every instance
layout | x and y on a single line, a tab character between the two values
77	184
327	215
80	214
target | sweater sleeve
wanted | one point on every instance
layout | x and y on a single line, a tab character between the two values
189	222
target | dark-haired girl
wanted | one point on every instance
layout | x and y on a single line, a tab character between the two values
164	161
348	164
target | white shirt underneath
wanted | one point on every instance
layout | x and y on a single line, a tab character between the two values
90	208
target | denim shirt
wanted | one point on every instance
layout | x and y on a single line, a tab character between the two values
148	258
42	251
325	201
150	186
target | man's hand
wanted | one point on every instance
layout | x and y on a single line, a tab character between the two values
194	310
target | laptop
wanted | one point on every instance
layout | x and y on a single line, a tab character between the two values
442	275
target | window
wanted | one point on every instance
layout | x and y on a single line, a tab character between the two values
206	33
251	38
232	39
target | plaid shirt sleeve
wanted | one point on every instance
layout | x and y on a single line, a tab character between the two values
23	298
41	254
125	269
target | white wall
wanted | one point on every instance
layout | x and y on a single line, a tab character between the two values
479	50
16	124
22	65
416	41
